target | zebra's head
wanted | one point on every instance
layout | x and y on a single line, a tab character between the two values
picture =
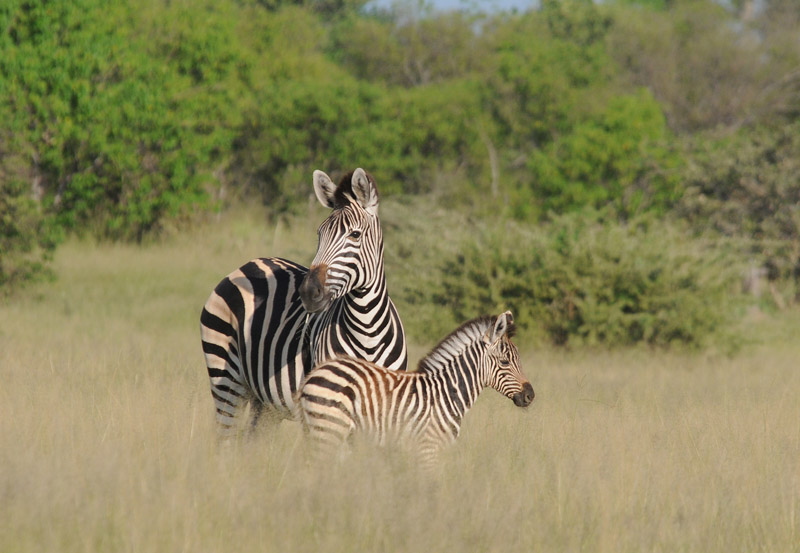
350	250
504	372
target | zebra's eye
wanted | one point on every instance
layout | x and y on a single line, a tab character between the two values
504	362
355	235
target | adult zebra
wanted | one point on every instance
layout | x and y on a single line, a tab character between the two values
422	409
269	322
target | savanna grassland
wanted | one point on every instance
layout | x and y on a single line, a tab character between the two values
107	440
607	170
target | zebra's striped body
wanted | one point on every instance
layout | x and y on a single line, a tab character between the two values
270	321
422	409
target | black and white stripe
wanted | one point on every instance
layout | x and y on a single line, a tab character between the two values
269	322
422	409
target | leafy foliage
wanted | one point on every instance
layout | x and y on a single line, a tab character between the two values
746	185
118	119
108	128
620	158
543	80
585	280
27	238
582	278
706	66
410	52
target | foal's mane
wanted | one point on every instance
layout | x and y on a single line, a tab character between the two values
458	340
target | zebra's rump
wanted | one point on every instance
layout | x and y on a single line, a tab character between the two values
347	394
252	331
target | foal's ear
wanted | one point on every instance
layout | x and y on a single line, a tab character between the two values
324	188
365	190
501	327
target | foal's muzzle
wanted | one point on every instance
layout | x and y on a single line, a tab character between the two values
525	397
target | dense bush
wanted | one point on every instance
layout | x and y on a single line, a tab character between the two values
311	125
27	238
581	279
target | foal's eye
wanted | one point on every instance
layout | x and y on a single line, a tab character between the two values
355	235
504	362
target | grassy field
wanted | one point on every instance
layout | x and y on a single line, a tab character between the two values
107	440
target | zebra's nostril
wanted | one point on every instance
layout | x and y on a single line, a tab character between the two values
524	397
312	290
529	394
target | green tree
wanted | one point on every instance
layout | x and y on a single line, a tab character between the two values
326	8
410	51
541	80
621	158
706	68
115	133
745	186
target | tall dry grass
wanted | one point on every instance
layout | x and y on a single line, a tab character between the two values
107	440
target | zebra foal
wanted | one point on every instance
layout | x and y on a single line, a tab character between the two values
269	322
422	409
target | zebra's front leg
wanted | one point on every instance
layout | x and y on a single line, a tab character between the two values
429	448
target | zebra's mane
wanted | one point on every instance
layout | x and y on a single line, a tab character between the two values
344	190
459	340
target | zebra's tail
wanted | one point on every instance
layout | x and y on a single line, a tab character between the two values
296	412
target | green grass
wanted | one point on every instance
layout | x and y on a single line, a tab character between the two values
107	439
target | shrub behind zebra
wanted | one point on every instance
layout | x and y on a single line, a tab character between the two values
421	410
269	322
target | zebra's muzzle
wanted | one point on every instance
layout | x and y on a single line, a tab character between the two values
312	290
525	397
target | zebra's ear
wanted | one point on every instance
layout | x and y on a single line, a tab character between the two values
324	188
365	190
504	322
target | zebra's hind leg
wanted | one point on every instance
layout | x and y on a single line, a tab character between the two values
327	431
256	413
262	416
230	400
